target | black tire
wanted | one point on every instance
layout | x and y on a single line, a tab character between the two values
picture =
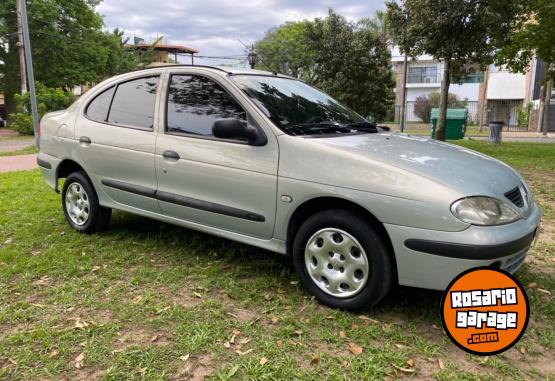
98	216
381	275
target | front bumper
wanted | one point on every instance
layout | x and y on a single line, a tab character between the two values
431	259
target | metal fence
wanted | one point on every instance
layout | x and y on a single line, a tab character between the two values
513	113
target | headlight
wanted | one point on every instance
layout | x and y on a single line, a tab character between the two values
484	211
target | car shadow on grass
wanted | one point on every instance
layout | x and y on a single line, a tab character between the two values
403	303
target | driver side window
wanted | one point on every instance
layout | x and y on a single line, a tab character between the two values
196	102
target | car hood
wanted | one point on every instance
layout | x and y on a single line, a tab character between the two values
465	171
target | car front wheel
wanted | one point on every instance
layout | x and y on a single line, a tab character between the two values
81	207
342	260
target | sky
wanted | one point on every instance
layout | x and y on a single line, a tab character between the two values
219	27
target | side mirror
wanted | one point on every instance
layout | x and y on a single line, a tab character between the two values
234	129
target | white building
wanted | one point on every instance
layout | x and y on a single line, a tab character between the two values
492	95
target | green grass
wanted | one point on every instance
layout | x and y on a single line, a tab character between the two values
535	156
424	129
24	151
139	297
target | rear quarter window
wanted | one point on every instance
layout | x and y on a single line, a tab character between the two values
97	109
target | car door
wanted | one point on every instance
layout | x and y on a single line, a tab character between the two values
117	138
225	184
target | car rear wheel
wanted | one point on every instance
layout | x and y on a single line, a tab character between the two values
81	207
342	260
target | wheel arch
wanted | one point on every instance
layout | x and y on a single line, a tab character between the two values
65	168
315	205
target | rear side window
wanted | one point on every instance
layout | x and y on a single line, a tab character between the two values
196	102
133	103
98	108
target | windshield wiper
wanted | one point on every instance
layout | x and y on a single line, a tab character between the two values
363	126
315	128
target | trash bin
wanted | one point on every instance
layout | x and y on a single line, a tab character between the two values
455	123
495	129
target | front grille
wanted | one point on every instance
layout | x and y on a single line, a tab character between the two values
514	263
515	196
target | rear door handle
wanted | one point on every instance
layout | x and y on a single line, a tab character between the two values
171	155
85	140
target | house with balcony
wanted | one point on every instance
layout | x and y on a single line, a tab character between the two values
491	95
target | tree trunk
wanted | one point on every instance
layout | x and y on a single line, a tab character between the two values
444	98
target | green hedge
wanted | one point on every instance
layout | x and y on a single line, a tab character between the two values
48	99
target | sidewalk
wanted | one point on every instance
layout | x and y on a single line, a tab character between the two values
14	145
6	132
18	163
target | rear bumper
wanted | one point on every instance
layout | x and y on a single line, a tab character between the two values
48	165
431	259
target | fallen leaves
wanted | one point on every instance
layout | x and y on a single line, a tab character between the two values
544	291
355	349
342	334
404	370
314	360
263	361
79	361
366	318
241	353
440	364
163	310
42	281
155	338
80	324
184	358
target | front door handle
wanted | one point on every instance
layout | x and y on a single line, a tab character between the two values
171	155
85	140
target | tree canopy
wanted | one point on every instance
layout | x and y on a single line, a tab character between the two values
457	32
350	61
68	44
532	37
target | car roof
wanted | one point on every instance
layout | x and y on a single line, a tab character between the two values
226	69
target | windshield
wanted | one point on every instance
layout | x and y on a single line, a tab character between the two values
299	109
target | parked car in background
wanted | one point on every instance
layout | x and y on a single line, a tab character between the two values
272	162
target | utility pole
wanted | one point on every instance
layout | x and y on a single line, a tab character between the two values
30	74
404	99
21	49
252	57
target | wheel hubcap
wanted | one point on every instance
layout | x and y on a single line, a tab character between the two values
337	263
77	204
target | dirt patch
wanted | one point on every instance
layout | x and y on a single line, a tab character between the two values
195	368
139	337
86	375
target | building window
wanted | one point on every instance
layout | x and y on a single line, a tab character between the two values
425	74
